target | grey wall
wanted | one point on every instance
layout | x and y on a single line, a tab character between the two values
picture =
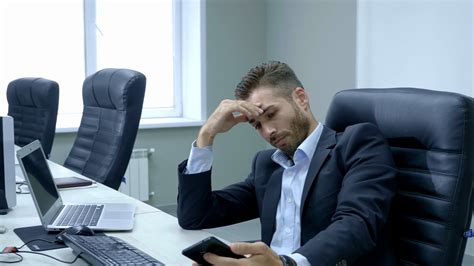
235	42
317	38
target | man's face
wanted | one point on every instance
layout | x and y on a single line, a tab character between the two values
283	123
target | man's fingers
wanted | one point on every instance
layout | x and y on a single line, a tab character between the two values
241	118
218	260
249	248
249	109
260	254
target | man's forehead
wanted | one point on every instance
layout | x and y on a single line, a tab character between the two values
263	95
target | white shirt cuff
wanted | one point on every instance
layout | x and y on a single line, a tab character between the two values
199	160
299	259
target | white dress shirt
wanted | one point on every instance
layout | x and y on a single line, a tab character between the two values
287	236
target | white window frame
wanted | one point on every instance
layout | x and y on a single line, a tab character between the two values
189	90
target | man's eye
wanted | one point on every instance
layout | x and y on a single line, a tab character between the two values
270	115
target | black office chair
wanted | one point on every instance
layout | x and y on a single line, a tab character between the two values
431	135
33	104
113	100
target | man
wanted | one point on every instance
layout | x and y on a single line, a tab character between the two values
323	198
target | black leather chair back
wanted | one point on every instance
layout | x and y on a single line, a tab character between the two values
33	104
113	100
431	136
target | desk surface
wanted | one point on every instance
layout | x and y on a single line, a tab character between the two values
155	232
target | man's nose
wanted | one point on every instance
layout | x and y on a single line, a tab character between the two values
268	131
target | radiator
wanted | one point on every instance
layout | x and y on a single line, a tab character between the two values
135	181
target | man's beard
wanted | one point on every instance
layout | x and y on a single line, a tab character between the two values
299	130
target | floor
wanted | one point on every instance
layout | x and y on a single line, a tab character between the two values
250	230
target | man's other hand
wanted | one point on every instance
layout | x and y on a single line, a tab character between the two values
256	254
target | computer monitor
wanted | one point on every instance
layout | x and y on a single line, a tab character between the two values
7	165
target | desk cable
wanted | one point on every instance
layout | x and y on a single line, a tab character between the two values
15	251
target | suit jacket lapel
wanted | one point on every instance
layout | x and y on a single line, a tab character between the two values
325	143
270	204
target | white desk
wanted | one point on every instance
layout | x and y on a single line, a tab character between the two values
155	232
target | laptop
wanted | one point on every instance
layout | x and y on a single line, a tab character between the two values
53	213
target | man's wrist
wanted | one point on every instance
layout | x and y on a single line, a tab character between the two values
204	139
287	261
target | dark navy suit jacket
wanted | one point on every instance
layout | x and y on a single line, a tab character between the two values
345	204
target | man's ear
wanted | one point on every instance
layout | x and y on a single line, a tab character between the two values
301	97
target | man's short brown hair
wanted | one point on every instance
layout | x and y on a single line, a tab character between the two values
273	74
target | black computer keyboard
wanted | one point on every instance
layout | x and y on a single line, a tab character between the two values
107	250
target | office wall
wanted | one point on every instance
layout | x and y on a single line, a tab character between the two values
318	40
235	41
427	44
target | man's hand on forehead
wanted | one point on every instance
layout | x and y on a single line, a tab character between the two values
264	109
249	110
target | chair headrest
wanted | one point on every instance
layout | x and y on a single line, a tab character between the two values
113	88
436	119
32	92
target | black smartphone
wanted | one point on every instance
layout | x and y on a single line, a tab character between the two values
210	244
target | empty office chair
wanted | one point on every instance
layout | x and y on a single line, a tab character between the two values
431	135
113	100
33	104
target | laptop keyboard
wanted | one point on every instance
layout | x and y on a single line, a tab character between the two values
108	250
80	215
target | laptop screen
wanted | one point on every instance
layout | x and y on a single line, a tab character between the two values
40	179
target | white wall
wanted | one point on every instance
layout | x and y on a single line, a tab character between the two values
416	43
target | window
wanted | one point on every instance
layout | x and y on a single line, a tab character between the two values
43	39
68	40
125	31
